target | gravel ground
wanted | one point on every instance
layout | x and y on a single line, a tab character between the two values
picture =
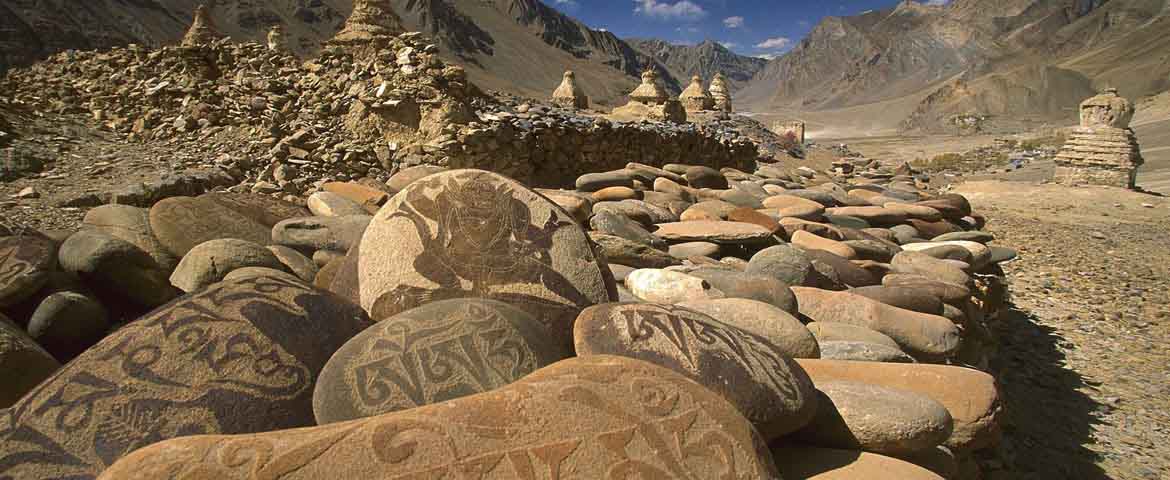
1083	361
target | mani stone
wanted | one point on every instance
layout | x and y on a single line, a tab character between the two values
181	223
748	370
23	366
969	395
694	98
238	357
593	417
477	234
812	463
862	416
1103	150
569	94
263	209
202	31
863	352
920	334
25	264
773	324
131	224
438	352
338	234
720	94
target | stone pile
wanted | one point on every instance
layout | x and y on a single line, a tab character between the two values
568	94
799	320
1103	150
649	101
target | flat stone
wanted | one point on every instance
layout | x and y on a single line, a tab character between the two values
625	252
621	226
812	463
131	224
66	323
626	208
748	215
666	286
916	263
845	332
876	250
871	215
337	234
437	352
793	206
578	205
616	194
809	241
705	177
969	395
652	171
863	352
687	250
782	262
301	266
715	232
877	419
476	234
23	366
25	263
210	261
744	368
945	291
933	229
793	225
399	181
980	253
741	199
369	198
834	267
329	204
181	223
262	209
919	334
846	221
710	210
592	417
1002	254
592	182
907	298
921	212
117	267
764	320
238	357
739	284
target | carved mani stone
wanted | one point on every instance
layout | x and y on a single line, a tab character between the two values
754	375
592	417
477	234
1103	150
238	357
181	223
569	94
25	263
437	352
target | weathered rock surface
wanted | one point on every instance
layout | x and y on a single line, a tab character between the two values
590	416
23	365
714	232
845	332
772	323
118	267
812	463
337	234
236	358
863	352
749	371
25	263
736	284
666	286
918	333
438	352
782	262
210	261
181	223
131	224
861	416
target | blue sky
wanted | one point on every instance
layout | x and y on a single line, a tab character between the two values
749	27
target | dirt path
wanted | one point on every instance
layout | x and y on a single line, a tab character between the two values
1084	364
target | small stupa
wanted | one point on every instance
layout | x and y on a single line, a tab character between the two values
371	25
649	91
694	98
202	30
276	41
720	93
569	94
1103	150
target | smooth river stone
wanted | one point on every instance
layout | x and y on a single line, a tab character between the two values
980	253
714	232
667	286
181	223
437	352
844	332
587	418
798	462
809	241
23	366
329	204
968	394
771	323
919	334
906	298
735	284
262	208
25	263
630	253
131	224
863	352
945	291
918	263
238	357
862	416
476	234
748	370
793	206
785	263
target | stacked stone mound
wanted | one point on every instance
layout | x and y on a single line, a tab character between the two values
801	321
202	30
649	101
1102	150
568	94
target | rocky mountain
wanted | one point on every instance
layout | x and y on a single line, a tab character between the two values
704	60
1004	62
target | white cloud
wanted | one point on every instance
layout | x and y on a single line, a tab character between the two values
683	10
729	45
767	56
778	43
733	22
938	3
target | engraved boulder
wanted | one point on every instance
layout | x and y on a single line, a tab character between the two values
753	374
181	223
23	363
25	263
238	357
437	352
476	234
595	417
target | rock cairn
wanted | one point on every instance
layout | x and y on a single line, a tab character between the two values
569	94
1103	150
721	93
808	320
695	98
370	27
202	30
651	102
276	41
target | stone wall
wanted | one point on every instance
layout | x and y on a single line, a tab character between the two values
550	147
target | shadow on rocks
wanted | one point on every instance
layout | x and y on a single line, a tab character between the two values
1048	419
